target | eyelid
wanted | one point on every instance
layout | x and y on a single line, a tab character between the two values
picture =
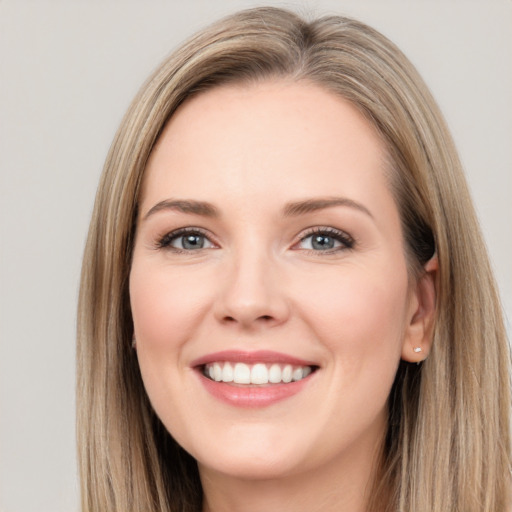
341	236
346	240
164	241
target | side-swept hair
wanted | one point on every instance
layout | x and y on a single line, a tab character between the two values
448	443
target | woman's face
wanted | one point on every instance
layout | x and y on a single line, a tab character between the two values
269	249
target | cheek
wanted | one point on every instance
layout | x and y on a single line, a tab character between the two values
360	319
360	315
166	307
159	303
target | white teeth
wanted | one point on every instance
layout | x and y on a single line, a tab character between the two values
274	374
227	373
297	374
259	373
287	373
217	372
242	374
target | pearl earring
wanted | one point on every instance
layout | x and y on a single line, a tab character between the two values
417	349
134	342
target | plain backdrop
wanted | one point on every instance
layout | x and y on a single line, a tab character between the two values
68	70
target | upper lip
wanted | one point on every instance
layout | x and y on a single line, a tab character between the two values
251	357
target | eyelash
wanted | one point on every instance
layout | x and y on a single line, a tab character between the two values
346	241
166	241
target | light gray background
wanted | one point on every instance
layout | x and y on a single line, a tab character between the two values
68	70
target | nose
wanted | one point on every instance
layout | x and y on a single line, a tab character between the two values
252	294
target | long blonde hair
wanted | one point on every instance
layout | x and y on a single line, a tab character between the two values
448	443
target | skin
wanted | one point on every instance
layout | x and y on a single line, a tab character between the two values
258	284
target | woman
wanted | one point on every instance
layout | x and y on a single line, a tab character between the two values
286	301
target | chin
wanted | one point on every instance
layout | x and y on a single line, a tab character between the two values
252	467
257	459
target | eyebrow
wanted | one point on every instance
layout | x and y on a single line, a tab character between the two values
185	206
321	203
293	209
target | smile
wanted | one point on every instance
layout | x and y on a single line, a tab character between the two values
253	379
256	374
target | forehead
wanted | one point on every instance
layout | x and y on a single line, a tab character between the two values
280	137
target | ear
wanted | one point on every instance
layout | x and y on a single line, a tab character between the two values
421	315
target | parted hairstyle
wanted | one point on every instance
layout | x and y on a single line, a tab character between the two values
448	446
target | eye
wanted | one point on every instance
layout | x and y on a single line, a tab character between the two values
188	239
325	240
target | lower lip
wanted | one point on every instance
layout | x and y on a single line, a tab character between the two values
252	396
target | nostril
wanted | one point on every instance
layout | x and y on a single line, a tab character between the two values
264	318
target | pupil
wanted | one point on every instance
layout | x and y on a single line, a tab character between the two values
322	242
193	242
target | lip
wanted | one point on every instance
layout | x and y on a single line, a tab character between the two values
251	396
250	357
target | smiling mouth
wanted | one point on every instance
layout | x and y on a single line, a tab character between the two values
255	374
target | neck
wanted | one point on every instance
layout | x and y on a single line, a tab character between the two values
340	486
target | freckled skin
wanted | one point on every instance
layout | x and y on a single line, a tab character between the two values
249	150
